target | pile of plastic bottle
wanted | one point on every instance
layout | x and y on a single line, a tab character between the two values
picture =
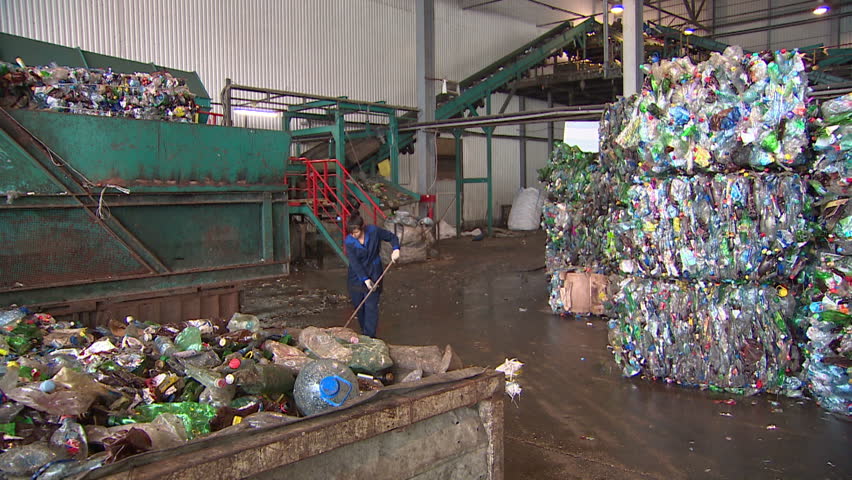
148	96
75	398
712	221
724	226
825	313
703	334
732	111
574	216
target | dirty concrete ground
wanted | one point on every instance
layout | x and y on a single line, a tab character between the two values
577	418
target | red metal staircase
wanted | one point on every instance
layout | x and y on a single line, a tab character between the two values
325	192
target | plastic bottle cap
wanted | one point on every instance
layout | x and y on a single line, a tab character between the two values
47	386
223	342
221	383
234	363
230	379
329	387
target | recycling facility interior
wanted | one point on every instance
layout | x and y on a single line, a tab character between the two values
643	204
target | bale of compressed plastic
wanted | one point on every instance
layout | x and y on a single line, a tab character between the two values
722	226
732	111
832	132
719	336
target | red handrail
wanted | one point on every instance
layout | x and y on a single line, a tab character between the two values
321	191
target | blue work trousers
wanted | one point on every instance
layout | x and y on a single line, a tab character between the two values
368	316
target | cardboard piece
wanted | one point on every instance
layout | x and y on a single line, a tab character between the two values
583	292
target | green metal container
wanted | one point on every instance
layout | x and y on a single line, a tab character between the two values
100	207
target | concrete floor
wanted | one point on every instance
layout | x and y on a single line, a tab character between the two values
578	417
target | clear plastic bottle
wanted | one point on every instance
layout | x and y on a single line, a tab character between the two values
324	384
72	438
240	321
12	316
164	346
217	392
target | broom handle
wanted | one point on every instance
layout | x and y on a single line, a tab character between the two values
368	294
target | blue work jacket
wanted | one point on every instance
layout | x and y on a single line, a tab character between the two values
365	260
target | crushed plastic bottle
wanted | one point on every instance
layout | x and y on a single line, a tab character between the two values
12	316
71	436
27	459
189	339
195	416
240	321
729	337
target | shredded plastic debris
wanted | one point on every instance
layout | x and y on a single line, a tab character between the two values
511	368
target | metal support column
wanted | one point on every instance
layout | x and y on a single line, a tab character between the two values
425	72
227	118
633	46
267	228
522	132
457	133
605	4
489	182
393	141
288	244
339	150
549	124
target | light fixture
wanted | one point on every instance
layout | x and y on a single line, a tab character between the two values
821	10
617	8
253	112
688	31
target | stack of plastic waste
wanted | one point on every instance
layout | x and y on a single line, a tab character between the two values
416	237
387	195
736	226
713	221
575	215
732	111
75	398
828	325
825	316
719	336
148	96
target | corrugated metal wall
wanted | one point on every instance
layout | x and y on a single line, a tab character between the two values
505	165
746	23
361	48
364	49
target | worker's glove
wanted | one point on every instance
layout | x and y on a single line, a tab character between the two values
369	284
395	255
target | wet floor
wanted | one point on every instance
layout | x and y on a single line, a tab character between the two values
577	416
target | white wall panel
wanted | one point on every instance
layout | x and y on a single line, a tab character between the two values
360	48
734	18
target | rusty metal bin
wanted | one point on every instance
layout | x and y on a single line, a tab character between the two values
446	426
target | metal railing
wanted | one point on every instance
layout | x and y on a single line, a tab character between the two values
331	193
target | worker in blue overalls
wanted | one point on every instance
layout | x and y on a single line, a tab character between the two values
363	245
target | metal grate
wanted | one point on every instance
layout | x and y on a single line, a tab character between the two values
43	247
